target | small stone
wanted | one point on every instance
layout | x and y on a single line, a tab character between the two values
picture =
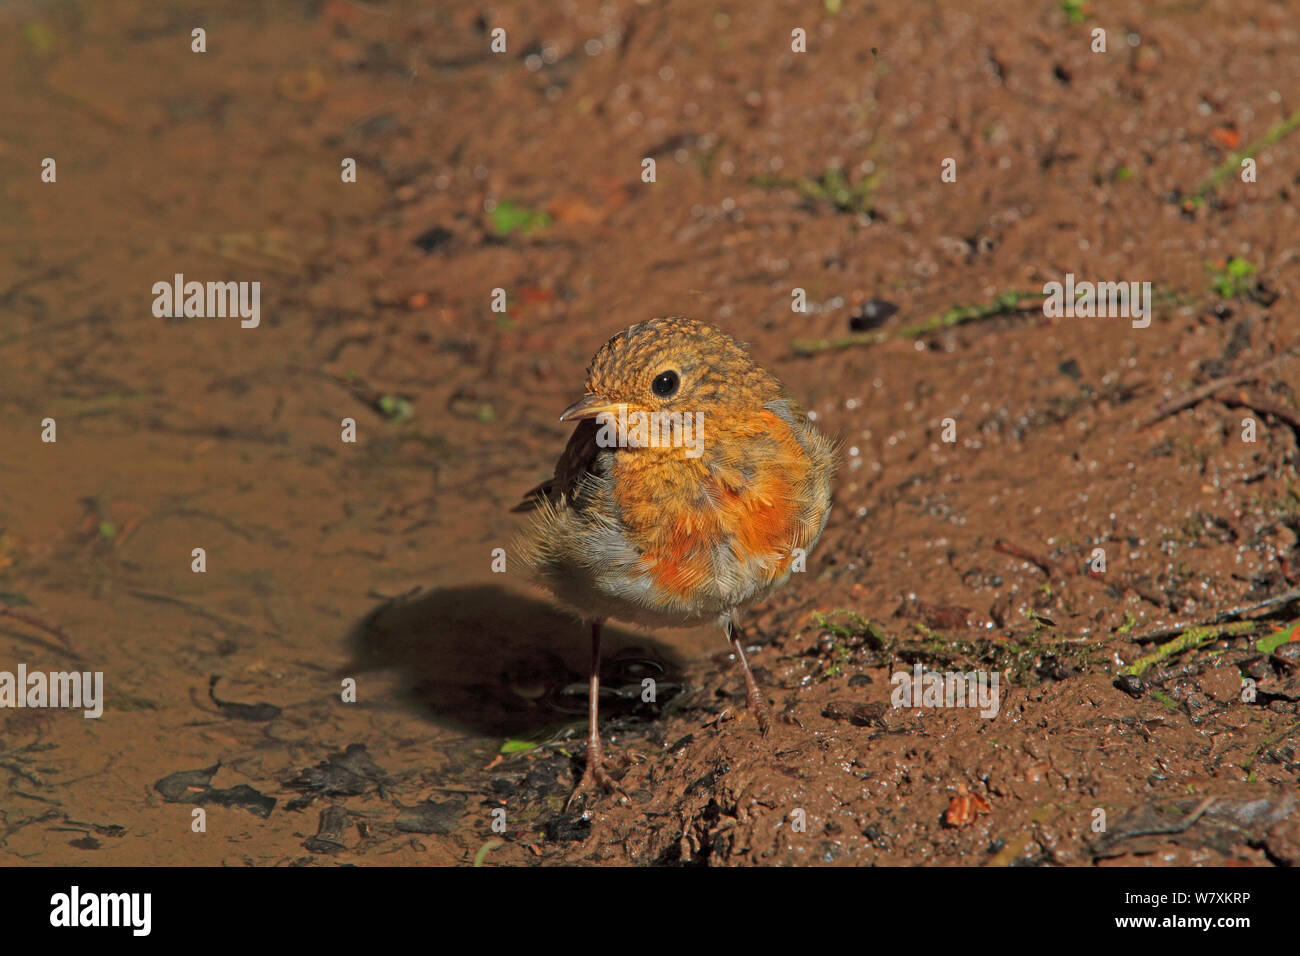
871	315
1222	684
857	713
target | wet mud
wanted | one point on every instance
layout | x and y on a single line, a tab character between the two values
350	681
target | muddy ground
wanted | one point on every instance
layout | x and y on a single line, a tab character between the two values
775	170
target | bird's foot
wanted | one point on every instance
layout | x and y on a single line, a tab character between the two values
594	777
722	717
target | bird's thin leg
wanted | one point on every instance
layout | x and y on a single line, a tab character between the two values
736	634
593	773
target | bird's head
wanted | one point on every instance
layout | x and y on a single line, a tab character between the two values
673	365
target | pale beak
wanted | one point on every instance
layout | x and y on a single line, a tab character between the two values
589	406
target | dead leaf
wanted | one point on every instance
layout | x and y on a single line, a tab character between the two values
1225	137
964	808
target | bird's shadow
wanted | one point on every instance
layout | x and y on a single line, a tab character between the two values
485	660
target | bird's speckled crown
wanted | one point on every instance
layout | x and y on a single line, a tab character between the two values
716	367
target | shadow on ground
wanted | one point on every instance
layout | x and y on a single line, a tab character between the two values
486	660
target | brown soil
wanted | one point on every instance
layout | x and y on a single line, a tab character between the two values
373	561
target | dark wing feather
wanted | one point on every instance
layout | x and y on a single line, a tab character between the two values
575	463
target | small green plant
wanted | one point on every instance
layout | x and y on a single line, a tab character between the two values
1165	699
850	632
509	216
395	408
1074	10
1234	278
837	668
833	187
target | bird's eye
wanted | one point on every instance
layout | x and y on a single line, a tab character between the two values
665	384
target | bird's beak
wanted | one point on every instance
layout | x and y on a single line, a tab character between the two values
589	406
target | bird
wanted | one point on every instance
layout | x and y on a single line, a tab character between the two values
692	486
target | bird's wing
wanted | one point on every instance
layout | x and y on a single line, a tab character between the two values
575	464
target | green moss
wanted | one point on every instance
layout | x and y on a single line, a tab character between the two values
1021	659
1189	639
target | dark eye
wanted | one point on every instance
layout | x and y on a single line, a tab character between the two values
665	384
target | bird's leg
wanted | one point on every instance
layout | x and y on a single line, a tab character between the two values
736	634
594	775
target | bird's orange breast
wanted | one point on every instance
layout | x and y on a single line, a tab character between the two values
737	509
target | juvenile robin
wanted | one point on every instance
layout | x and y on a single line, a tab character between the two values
690	487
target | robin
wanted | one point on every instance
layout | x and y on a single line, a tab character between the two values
691	488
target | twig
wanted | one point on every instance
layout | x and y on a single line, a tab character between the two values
1046	565
1284	733
21	771
54	272
1232	164
36	622
1260	406
1007	303
1202	392
1231	614
1174	828
221	619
